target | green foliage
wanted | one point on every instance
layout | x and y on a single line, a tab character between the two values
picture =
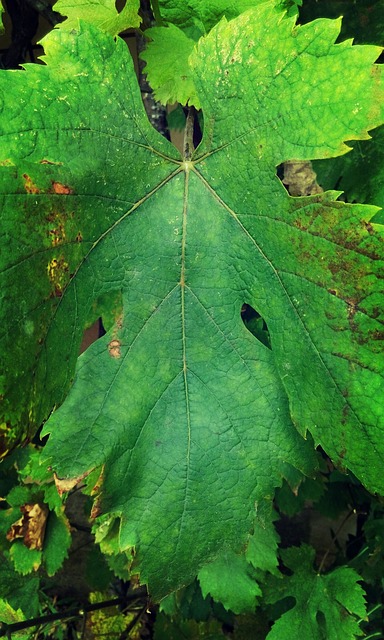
197	17
217	580
102	14
19	592
167	629
167	65
359	173
35	525
326	605
243	325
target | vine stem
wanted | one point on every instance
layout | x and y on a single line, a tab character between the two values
8	629
334	537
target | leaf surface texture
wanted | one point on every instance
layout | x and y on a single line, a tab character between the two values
193	418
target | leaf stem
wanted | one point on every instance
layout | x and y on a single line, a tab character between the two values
188	147
156	12
334	538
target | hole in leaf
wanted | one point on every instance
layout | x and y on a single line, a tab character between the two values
255	324
90	335
322	623
120	4
298	178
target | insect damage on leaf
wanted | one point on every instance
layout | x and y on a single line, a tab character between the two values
31	526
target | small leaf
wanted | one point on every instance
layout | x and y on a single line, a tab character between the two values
31	526
19	591
327	606
167	68
101	13
9	615
57	542
25	560
197	17
230	580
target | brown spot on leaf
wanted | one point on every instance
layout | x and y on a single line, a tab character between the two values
44	161
345	414
369	227
61	189
79	237
377	335
57	235
98	484
63	485
114	348
29	185
58	274
352	308
96	509
31	526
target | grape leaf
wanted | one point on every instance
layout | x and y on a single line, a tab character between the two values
9	615
56	543
19	592
326	605
166	55
231	581
167	68
187	410
101	13
197	17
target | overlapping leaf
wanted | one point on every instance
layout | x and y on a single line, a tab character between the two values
197	17
189	413
167	53
101	13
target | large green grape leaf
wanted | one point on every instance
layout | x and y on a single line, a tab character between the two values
189	413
